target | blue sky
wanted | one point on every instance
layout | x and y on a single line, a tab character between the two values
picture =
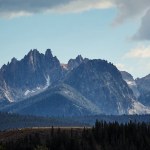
111	29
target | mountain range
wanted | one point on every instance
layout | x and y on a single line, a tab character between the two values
40	85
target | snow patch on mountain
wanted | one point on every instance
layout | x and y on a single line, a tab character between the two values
29	92
6	92
128	78
120	109
48	83
38	89
65	66
131	83
8	96
138	108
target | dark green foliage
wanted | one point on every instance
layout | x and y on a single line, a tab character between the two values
103	136
9	121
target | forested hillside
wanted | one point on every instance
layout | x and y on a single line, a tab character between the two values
10	121
13	121
103	136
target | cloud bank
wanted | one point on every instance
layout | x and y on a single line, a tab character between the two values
134	9
130	9
126	10
14	8
144	30
83	5
139	52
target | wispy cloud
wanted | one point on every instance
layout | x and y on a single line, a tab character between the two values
12	8
120	66
144	31
76	6
139	52
136	61
134	9
123	67
127	10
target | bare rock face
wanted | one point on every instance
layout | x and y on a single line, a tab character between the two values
39	85
102	83
143	85
31	74
131	83
74	63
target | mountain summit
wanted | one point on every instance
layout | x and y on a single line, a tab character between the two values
30	75
39	84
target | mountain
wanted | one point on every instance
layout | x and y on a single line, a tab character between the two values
140	88
128	78
143	84
74	63
40	85
102	83
60	100
29	76
144	89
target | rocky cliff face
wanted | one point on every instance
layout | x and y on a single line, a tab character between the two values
102	83
128	78
33	73
143	85
73	63
39	85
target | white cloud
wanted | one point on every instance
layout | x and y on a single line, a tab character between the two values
12	8
125	67
83	5
129	9
134	9
120	66
139	52
144	30
126	9
136	61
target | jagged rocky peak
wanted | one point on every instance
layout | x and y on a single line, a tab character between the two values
128	78
14	60
36	70
33	52
48	53
126	75
102	83
31	57
64	67
79	58
143	84
73	63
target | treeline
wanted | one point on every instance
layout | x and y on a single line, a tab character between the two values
90	120
10	121
103	136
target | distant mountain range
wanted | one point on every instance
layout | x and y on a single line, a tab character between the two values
40	85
